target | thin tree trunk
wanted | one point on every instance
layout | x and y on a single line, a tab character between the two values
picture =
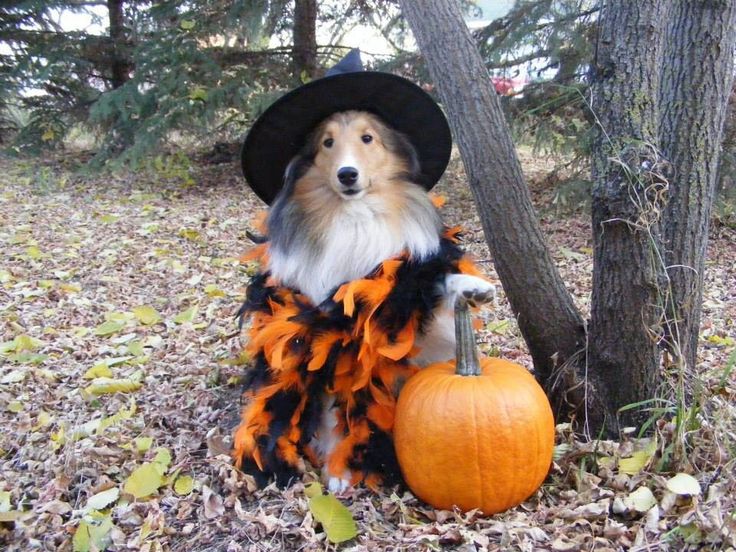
552	327
696	83
305	39
628	198
119	67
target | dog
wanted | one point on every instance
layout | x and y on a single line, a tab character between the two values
351	200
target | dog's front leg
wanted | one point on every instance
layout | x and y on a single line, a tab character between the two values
476	291
437	343
325	441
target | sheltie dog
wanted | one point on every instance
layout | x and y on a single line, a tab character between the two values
350	201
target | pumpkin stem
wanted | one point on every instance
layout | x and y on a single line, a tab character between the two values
467	363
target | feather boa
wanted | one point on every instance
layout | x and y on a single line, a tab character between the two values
356	346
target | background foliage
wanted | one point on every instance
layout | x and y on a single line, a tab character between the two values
145	75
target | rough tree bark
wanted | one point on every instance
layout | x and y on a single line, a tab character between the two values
305	39
633	73
552	327
628	198
119	67
696	83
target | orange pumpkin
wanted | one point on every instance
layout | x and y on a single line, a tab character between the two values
473	434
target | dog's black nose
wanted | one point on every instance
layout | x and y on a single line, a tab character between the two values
347	176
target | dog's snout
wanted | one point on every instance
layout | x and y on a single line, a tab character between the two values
347	176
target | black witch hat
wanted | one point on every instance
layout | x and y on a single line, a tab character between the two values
281	131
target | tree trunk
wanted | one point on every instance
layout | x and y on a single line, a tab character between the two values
548	320
696	82
119	67
305	39
628	198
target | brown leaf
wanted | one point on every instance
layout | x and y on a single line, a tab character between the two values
213	506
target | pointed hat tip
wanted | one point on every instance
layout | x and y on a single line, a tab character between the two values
351	63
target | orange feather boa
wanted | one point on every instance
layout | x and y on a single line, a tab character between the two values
358	350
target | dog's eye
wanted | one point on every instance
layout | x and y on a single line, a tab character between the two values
367	138
328	142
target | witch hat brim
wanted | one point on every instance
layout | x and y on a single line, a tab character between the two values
281	131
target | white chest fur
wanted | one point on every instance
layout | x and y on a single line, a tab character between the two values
359	237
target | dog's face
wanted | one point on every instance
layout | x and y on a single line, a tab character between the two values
355	153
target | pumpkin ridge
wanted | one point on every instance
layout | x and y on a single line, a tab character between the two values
478	462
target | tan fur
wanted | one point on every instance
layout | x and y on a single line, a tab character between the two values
318	191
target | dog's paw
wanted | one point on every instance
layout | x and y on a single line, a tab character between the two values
337	485
471	289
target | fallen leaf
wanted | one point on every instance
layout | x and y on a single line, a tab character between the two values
99	370
641	500
14	376
109	327
213	506
106	386
184	485
186	316
638	459
4	501
147	315
142	444
336	519
92	533
144	481
103	499
683	484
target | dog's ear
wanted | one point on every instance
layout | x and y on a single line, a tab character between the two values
294	171
398	143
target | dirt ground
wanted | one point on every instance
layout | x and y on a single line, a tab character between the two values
136	278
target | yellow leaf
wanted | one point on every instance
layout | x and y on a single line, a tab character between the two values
33	252
336	519
184	485
70	288
641	500
187	24
26	343
135	348
144	481
638	459
142	444
108	328
103	499
189	233
58	438
198	94
4	501
721	341
116	316
92	533
162	459
8	517
7	347
107	219
14	376
122	414
147	315
684	484
48	135
99	370
213	291
106	386
42	420
15	406
186	316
